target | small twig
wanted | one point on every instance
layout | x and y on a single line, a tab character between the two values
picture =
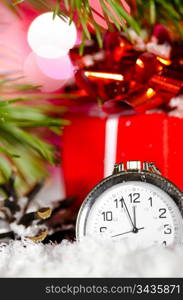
7	213
9	234
11	187
4	188
42	213
63	204
13	207
40	237
32	193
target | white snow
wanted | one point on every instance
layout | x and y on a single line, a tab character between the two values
88	258
152	46
163	50
23	231
177	104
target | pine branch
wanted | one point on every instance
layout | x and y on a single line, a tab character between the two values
23	121
16	119
144	14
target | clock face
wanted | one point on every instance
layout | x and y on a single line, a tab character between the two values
138	212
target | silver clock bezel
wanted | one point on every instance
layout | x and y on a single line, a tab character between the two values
143	176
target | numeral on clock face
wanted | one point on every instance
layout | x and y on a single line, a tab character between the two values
167	229
102	229
134	198
150	200
119	203
107	215
162	213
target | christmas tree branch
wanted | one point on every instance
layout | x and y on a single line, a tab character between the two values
143	14
16	119
24	121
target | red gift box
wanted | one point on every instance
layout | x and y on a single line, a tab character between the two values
91	146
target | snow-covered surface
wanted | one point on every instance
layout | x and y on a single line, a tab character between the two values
140	44
88	258
177	104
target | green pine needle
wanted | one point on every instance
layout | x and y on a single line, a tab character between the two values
20	145
25	121
145	17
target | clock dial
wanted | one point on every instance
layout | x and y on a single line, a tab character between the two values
136	211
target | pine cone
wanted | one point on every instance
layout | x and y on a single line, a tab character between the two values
15	221
45	224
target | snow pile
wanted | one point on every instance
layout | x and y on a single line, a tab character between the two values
89	258
22	231
177	104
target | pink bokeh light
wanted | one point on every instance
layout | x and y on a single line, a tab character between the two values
13	45
33	75
59	68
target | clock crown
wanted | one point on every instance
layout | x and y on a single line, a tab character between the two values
136	165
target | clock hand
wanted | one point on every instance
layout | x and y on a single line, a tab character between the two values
122	233
134	216
127	232
135	230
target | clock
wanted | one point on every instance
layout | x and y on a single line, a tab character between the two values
135	204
